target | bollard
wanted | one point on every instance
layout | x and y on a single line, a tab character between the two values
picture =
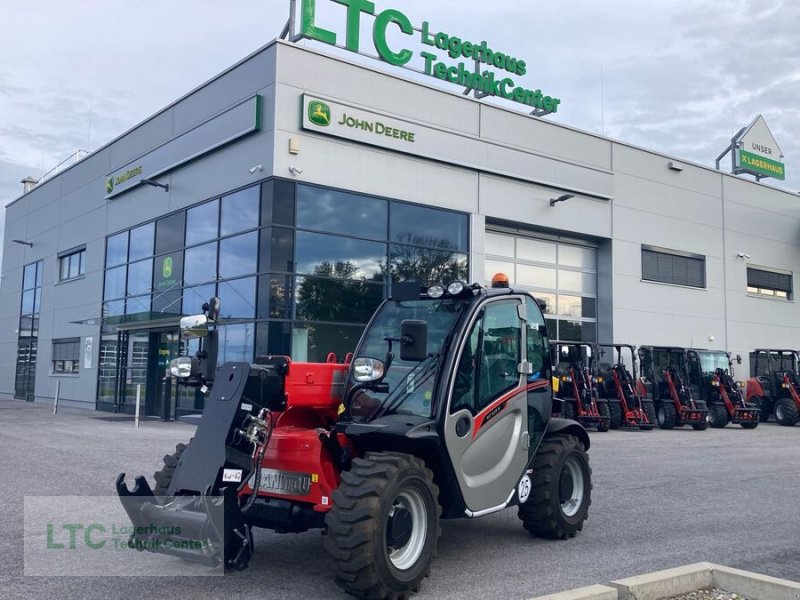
138	401
58	393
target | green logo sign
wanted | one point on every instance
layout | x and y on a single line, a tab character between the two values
494	78
166	268
110	185
760	165
319	113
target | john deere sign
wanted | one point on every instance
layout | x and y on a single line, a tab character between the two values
496	77
757	153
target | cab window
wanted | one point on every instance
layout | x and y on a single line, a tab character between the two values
537	346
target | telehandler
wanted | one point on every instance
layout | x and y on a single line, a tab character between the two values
443	412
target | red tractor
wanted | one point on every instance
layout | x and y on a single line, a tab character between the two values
455	424
665	380
576	390
775	385
617	386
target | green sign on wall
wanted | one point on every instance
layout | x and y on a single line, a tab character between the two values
497	74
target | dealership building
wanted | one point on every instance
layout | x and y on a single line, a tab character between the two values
297	185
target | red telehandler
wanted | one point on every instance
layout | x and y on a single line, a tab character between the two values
444	412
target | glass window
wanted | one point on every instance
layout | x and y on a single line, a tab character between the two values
240	211
72	265
426	266
538	348
238	298
28	302
549	302
277	203
202	223
341	212
275	301
281	249
420	226
137	304
575	256
574	281
334	256
238	255
536	276
113	308
140	277
312	343
236	343
499	244
169	302
141	245
200	264
274	337
169	233
195	297
492	267
536	250
576	331
320	299
673	268
576	306
168	272
117	249
115	283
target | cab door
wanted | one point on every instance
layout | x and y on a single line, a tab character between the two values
486	426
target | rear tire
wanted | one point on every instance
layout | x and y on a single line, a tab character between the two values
718	416
766	408
615	408
650	413
383	528
786	412
701	405
603	411
561	489
568	410
666	416
164	476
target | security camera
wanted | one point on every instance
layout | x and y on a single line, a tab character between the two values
255	169
743	255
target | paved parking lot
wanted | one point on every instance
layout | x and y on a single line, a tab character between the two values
661	499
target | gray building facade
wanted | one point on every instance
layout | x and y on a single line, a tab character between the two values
296	186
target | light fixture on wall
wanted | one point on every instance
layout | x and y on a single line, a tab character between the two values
154	183
673	166
23	242
561	198
743	255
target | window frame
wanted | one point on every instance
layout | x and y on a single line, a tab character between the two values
666	252
58	366
65	258
770	292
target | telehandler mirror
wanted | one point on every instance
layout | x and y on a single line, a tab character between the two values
194	326
414	340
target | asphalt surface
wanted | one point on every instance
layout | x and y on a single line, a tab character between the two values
661	499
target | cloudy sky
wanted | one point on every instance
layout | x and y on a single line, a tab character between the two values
673	76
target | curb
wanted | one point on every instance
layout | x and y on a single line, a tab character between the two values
682	580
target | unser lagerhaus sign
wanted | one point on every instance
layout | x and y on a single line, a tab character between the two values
496	77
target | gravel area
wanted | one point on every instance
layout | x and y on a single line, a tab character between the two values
709	594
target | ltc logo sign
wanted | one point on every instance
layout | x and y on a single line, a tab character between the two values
319	113
109	185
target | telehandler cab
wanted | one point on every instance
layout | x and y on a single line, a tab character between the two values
443	412
665	380
775	384
617	385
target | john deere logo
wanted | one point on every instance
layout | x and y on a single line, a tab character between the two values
166	268
110	185
319	113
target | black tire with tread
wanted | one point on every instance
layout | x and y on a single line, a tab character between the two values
616	414
164	477
766	408
604	411
701	405
541	513
568	410
666	417
357	521
650	412
787	409
718	416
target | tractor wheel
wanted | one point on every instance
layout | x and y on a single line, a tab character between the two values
650	412
665	415
703	425
383	528
603	411
561	489
164	476
718	416
568	410
786	412
615	409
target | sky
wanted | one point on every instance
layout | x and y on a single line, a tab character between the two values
676	77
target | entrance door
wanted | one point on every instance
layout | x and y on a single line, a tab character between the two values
486	429
26	369
161	393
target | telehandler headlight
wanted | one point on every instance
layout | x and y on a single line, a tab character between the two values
435	291
367	369
455	288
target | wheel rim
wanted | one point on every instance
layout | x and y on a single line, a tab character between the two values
779	412
571	486
406	529
662	415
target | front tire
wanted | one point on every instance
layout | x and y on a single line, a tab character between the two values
561	489
615	408
650	413
666	416
718	416
786	412
603	411
383	528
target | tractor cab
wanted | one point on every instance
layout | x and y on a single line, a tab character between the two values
705	369
775	384
711	381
